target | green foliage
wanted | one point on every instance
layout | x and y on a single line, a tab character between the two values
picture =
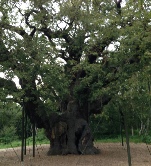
146	138
49	47
40	137
8	134
6	142
106	125
10	113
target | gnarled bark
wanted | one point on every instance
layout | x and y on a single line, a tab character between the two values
71	135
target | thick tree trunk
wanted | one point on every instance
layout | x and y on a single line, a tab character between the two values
69	132
70	135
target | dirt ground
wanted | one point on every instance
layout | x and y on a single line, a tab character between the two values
112	154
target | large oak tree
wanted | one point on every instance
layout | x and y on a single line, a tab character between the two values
59	50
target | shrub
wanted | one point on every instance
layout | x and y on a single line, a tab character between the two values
7	134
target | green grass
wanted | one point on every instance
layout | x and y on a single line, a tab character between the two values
8	144
108	140
43	140
40	139
17	143
134	139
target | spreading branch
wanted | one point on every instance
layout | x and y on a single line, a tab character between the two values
18	30
27	15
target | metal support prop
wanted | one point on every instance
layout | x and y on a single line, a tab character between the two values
23	132
34	134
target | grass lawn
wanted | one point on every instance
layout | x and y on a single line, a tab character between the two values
17	143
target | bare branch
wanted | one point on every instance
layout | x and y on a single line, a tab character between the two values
19	10
33	32
27	15
56	34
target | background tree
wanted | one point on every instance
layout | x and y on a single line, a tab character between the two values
10	115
